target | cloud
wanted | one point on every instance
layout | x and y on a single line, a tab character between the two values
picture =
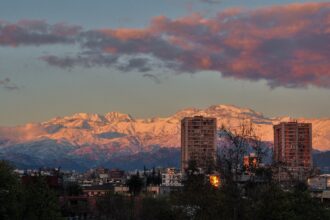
212	1
36	32
8	85
285	45
140	64
86	60
152	77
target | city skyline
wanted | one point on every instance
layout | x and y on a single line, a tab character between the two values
152	59
164	109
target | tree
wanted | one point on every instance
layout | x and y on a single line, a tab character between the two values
236	143
271	202
156	209
198	199
153	178
135	184
113	206
235	146
11	193
33	201
40	201
73	189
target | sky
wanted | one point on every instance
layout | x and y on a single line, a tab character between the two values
154	57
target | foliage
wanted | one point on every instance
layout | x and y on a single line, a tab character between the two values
113	206
198	199
40	201
135	184
73	189
156	209
271	202
31	202
254	202
153	178
11	193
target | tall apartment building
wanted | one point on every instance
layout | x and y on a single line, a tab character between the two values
198	142
293	147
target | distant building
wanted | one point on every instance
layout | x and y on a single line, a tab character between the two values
52	177
293	144
319	183
250	161
319	187
293	149
171	177
97	190
122	190
116	175
198	142
153	190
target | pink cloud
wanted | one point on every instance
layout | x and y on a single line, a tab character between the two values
286	45
36	32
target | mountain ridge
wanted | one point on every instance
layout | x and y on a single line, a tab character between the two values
101	138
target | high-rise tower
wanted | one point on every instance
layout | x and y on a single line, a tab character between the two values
293	144
198	142
293	147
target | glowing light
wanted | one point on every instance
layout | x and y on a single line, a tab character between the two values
215	181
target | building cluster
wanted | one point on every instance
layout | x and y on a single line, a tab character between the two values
79	192
292	155
292	161
99	181
320	187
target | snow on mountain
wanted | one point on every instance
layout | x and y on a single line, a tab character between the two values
113	117
99	138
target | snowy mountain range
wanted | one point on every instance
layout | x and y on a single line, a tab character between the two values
116	139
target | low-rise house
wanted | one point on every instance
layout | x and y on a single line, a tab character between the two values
123	190
320	187
171	177
97	190
153	190
117	176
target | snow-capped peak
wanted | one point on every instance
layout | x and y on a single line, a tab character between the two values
119	131
118	117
